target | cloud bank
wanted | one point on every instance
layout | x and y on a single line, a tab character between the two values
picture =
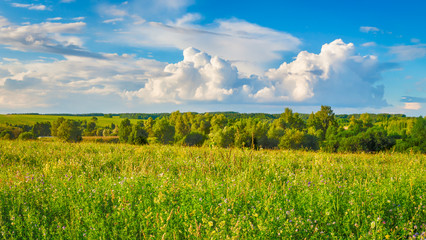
336	76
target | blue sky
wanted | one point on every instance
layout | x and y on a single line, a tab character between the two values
75	56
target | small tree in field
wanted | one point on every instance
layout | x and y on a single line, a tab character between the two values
124	130
163	131
139	135
41	129
69	130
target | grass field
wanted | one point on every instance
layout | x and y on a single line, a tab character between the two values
32	119
114	191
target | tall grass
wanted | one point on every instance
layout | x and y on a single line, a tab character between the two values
89	190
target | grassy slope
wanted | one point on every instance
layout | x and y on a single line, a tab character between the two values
32	119
116	191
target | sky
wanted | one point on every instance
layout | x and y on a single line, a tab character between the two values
87	56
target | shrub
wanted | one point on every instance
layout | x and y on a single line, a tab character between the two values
194	139
26	136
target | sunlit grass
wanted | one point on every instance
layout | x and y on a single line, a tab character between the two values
110	191
16	119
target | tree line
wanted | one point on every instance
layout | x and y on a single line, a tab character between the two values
321	130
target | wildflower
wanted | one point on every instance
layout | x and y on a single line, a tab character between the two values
211	224
387	236
373	224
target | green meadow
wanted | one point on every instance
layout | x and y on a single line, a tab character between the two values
55	190
32	119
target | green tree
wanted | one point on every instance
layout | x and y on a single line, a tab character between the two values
417	138
149	123
218	121
331	143
373	140
182	128
223	137
298	139
194	139
69	130
91	128
124	130
56	124
356	126
201	123
274	134
139	135
288	119
243	136
106	132
325	118
367	121
163	131
41	129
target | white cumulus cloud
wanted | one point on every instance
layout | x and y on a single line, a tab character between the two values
335	76
198	77
248	46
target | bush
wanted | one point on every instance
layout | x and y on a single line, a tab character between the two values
26	136
6	136
138	136
297	139
194	139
